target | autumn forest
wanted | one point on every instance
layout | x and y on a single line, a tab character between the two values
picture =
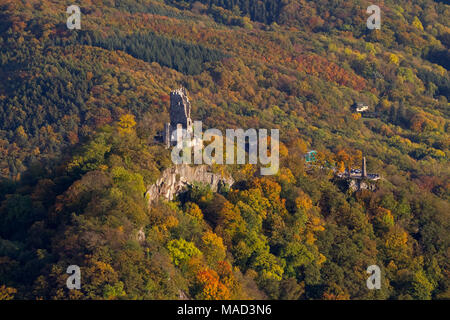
80	109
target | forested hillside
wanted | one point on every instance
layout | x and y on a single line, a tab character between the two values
79	110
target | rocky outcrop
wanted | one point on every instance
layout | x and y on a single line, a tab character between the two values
141	235
175	179
361	184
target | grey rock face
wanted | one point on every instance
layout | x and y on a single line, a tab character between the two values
358	184
175	179
141	235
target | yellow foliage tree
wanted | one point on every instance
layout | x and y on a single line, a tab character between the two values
213	247
303	201
393	58
194	210
7	293
126	124
416	23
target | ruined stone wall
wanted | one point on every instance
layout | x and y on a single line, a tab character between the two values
180	109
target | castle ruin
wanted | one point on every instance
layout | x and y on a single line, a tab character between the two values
180	118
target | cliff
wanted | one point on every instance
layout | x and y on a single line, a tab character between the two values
175	179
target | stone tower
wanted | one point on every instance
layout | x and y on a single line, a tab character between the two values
180	109
363	168
180	116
